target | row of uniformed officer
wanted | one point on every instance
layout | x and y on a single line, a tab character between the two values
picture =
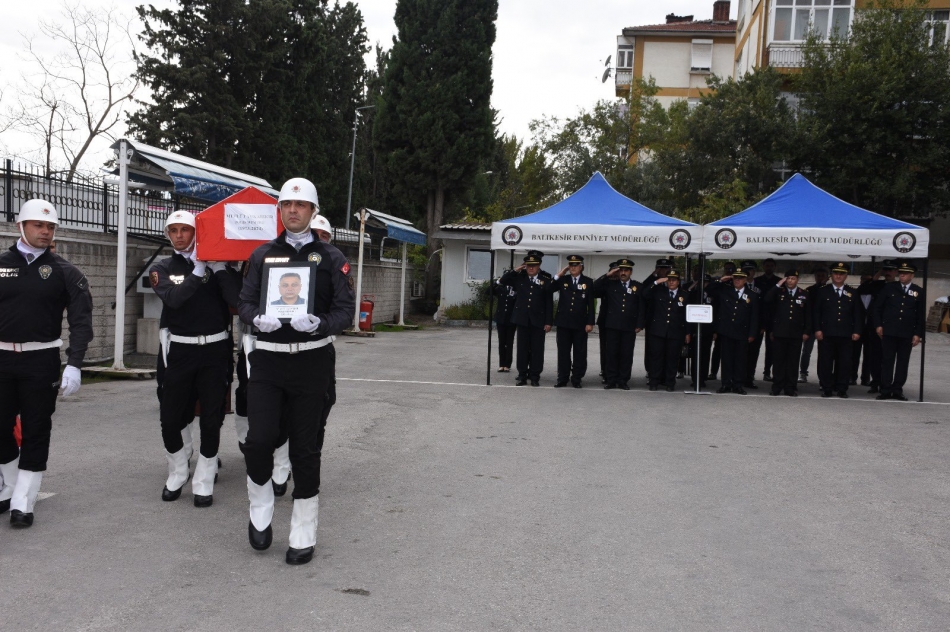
574	321
533	315
899	317
36	287
666	329
625	313
789	316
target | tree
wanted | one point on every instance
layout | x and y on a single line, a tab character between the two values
874	112
266	87
72	97
434	118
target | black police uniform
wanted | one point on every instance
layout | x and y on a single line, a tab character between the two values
870	341
194	306
624	316
667	329
601	334
790	312
761	285
902	315
837	317
32	299
506	329
809	345
737	322
698	296
534	309
575	311
648	283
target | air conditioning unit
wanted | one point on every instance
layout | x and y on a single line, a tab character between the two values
418	290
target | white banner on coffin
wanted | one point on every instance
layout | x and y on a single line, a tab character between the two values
814	243
250	221
596	238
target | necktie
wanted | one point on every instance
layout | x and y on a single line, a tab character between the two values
672	294
839	292
906	289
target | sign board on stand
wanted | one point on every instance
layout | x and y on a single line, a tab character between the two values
231	229
699	313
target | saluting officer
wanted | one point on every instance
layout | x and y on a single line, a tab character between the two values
764	283
291	370
601	334
624	320
666	326
900	318
574	320
196	347
753	354
838	320
699	295
869	291
737	325
790	310
661	269
533	315
506	329
728	269
35	287
821	278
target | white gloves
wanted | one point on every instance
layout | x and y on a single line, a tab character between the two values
199	265
217	266
72	378
305	323
266	324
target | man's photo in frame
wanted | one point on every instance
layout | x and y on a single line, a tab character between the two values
288	291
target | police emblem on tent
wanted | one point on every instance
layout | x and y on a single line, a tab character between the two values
45	271
904	242
680	239
512	236
726	238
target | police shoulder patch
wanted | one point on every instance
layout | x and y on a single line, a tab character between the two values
345	269
315	257
153	278
45	271
83	283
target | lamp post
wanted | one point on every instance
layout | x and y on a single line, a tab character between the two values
349	197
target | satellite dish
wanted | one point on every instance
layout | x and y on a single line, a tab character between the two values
606	75
607	63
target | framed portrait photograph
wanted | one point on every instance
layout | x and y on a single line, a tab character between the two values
287	289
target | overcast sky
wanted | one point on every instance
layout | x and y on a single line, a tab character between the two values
548	56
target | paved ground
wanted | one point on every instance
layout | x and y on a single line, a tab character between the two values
447	505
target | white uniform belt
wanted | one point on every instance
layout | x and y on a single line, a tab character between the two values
30	346
294	347
199	340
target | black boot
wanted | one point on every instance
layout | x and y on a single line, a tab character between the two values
296	557
21	520
260	540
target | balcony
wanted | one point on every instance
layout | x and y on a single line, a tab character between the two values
785	55
623	77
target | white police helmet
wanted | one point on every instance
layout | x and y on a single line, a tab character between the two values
180	217
38	210
319	222
299	189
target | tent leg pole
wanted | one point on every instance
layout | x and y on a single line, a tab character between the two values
699	326
491	305
923	343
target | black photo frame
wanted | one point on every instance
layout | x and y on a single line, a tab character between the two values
274	297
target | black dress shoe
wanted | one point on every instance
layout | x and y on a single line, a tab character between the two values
874	389
279	490
853	383
826	393
899	397
299	556
521	382
865	382
623	386
883	396
560	384
739	390
792	393
711	377
843	394
766	378
533	383
4	506
751	385
653	387
204	501
260	540
724	389
669	389
608	387
21	520
576	384
169	495
773	393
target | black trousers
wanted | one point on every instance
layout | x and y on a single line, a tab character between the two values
895	351
602	343
647	352
705	349
665	360
619	355
834	362
786	352
506	342
807	348
29	382
201	370
735	357
530	352
753	360
286	398
571	345
873	358
715	358
769	355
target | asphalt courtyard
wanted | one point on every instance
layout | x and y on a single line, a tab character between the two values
450	505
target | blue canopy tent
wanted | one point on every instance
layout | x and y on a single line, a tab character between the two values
801	221
594	219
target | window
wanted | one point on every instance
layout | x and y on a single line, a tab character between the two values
794	19
625	56
702	55
478	265
937	21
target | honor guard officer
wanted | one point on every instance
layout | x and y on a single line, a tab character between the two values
821	278
533	315
699	295
790	309
196	347
35	287
574	320
601	335
291	369
506	329
764	283
624	320
753	359
666	325
662	268
838	320
900	318
738	323
728	269
869	291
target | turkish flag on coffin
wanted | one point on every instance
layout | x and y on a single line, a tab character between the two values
231	229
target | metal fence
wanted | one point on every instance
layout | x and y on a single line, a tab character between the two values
86	203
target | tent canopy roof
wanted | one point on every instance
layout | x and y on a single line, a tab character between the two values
395	228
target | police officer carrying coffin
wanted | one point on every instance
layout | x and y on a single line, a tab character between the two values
900	318
35	287
196	347
291	369
667	328
838	321
790	310
737	326
533	315
624	320
574	320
